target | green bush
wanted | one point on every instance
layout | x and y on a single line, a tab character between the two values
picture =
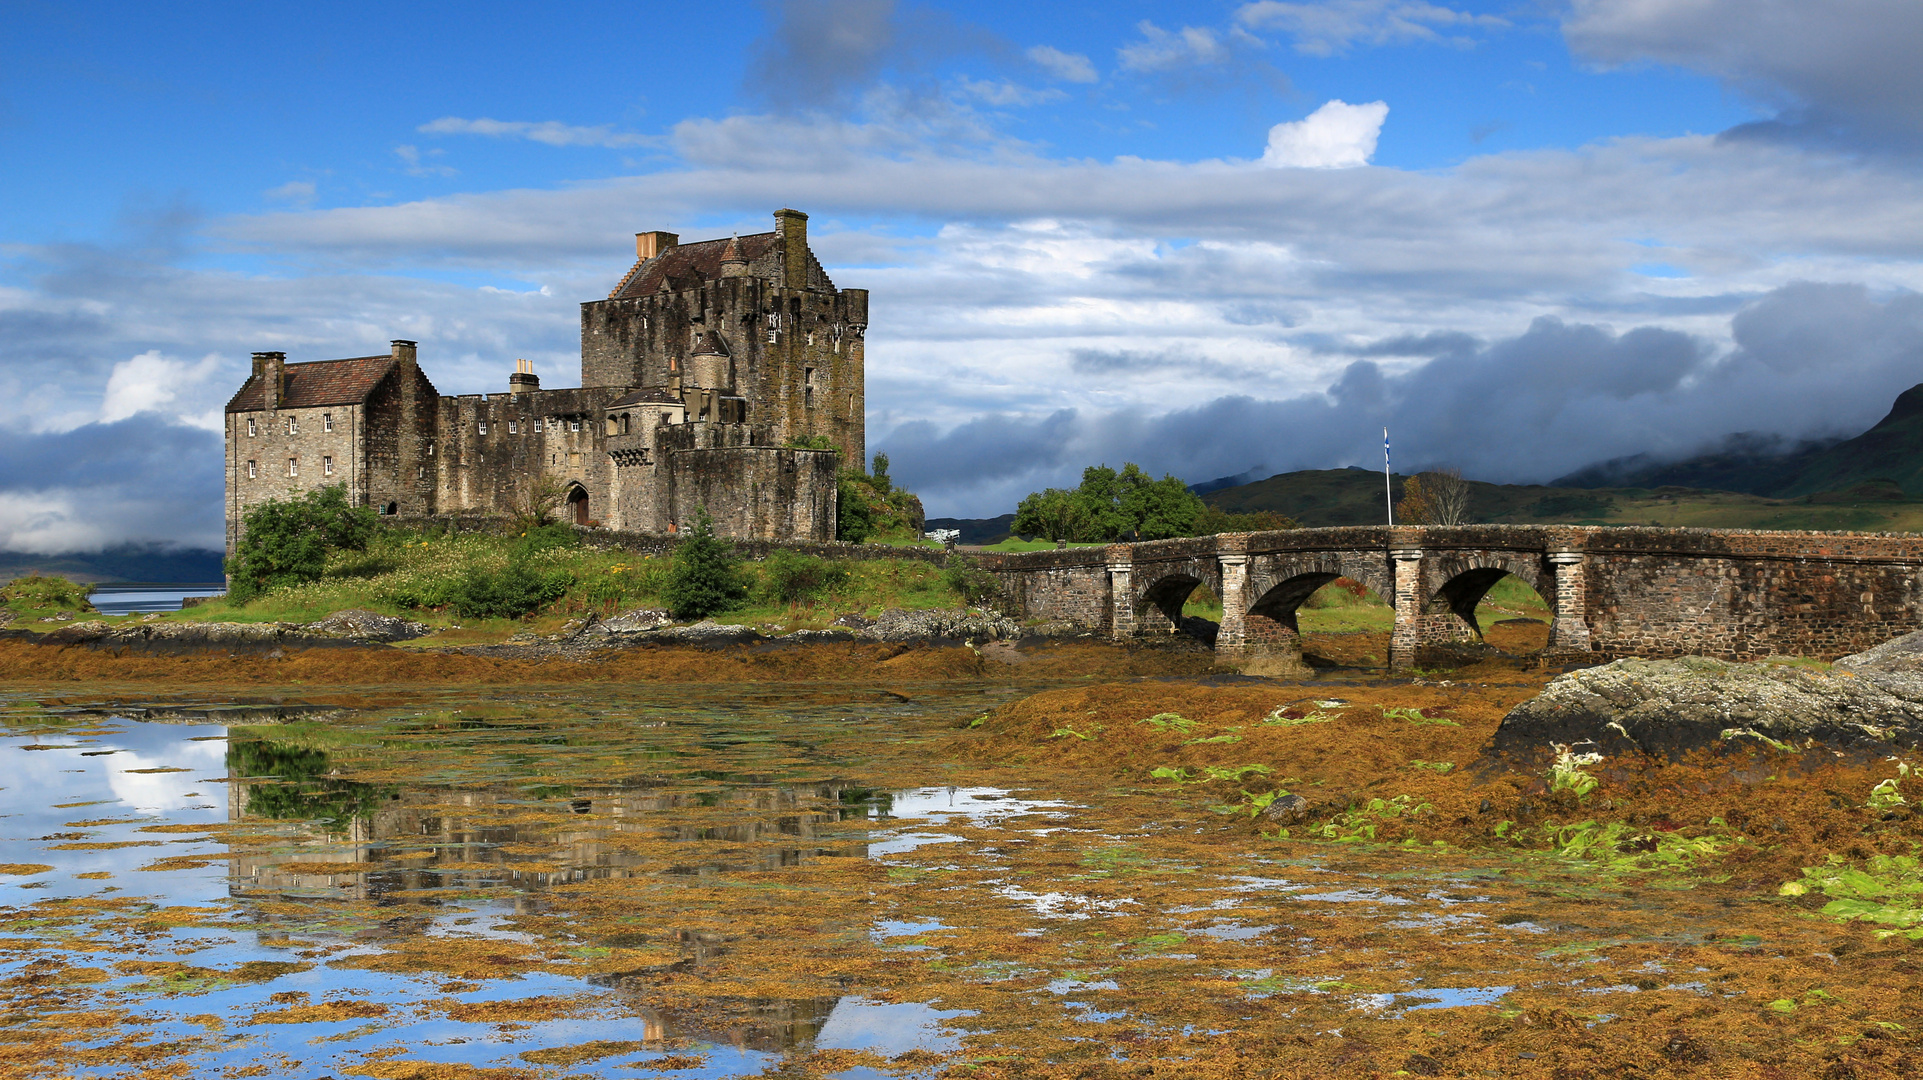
871	507
38	593
706	578
287	540
513	592
971	583
789	577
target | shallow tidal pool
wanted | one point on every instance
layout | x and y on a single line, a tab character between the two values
718	882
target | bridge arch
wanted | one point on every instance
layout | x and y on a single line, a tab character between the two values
1455	585
1158	606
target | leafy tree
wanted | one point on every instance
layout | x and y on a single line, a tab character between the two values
706	577
854	514
1054	514
878	475
287	540
1111	505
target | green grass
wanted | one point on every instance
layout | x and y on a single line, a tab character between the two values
1336	609
36	597
401	562
1016	543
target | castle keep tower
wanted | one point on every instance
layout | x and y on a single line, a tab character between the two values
760	318
697	373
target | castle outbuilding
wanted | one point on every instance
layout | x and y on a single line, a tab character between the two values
725	376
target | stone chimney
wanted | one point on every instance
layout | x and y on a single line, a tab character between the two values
404	352
793	227
649	244
733	263
271	369
524	380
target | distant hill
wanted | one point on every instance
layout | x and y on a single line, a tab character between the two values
127	562
1325	497
1887	457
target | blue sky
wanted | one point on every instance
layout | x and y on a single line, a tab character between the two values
1207	237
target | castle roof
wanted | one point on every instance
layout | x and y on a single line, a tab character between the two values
317	382
701	259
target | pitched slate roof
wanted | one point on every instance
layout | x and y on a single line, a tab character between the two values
317	382
701	258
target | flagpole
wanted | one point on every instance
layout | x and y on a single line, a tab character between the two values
1388	489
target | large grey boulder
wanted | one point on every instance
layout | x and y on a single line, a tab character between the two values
1671	706
1897	656
898	624
631	622
368	626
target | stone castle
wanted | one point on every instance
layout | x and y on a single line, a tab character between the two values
702	375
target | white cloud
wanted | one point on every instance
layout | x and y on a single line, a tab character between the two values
1336	136
298	192
150	382
1332	26
549	132
1004	94
1163	50
1066	66
416	166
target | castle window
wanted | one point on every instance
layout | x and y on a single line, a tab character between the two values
251	431
420	472
327	465
430	448
808	387
574	425
253	470
513	427
293	425
537	425
327	421
483	426
293	466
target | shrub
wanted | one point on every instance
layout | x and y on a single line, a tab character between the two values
789	577
971	583
515	591
46	593
705	578
287	540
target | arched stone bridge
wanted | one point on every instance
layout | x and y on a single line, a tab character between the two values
1730	593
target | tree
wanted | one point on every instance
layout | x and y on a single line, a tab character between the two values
1436	497
542	496
287	540
706	577
1054	514
1112	505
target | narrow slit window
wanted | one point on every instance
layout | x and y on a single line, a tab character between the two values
251	430
253	470
293	466
327	465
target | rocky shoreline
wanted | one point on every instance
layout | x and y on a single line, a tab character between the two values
579	640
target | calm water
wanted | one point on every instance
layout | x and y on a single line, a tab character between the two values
623	882
141	599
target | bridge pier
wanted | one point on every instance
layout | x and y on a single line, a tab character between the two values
1405	569
1121	593
1570	630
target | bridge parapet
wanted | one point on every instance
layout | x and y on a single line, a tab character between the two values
1730	593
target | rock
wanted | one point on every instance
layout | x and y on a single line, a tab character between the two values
1897	656
629	622
7	615
1673	706
819	636
705	632
65	616
853	622
187	639
1287	810
368	626
900	625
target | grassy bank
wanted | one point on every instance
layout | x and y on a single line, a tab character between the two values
419	575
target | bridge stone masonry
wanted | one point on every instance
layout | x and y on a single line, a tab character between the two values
1734	594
